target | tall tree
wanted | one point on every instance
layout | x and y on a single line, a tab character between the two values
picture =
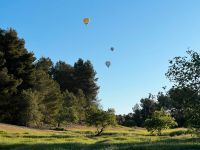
17	72
19	61
164	101
137	115
183	100
185	73
44	64
148	106
51	97
85	79
63	74
8	87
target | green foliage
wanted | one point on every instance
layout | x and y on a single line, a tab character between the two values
44	64
70	104
61	116
73	108
164	101
78	84
79	77
137	116
85	79
19	62
30	115
159	121
148	106
39	93
101	119
51	97
194	121
81	106
8	88
183	101
16	74
128	120
140	113
184	71
63	74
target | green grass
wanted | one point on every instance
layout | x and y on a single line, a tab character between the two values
78	138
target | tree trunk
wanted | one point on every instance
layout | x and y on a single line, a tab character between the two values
99	132
159	132
58	125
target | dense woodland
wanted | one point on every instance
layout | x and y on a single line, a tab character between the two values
38	93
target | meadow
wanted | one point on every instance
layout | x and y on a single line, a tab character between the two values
80	137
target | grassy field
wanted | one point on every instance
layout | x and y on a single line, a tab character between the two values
79	137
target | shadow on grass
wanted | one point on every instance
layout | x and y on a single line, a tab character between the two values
50	136
176	141
162	145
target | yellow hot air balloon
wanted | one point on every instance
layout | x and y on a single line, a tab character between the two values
86	21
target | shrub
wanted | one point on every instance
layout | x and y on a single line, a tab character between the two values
159	121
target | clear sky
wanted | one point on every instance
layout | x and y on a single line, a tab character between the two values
144	33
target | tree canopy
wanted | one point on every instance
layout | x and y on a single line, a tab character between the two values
39	93
159	121
101	119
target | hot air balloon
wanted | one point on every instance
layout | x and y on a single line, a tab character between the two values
86	21
108	63
112	48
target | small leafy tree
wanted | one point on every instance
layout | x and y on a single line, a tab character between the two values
101	119
160	120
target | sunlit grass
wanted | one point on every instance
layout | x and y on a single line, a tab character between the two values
80	137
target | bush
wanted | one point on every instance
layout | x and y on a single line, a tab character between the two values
159	121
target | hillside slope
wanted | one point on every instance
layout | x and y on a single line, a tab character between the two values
80	137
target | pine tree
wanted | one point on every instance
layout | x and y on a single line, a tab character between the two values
85	79
44	64
51	97
16	74
31	115
70	106
63	74
19	61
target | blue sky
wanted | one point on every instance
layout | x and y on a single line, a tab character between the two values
144	33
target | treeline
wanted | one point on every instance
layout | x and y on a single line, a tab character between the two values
182	101
38	93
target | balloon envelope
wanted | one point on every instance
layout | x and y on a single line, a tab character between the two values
86	21
108	63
